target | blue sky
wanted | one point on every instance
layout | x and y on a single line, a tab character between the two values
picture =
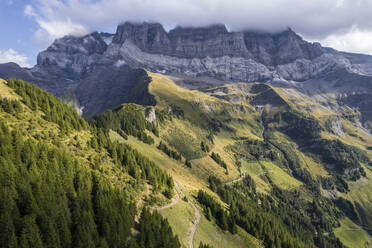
17	31
28	27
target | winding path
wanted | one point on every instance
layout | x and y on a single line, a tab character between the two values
176	198
236	180
194	224
179	194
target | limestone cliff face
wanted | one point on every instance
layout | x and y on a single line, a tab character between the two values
209	51
76	55
229	56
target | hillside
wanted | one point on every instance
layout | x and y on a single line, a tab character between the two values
298	165
234	165
64	183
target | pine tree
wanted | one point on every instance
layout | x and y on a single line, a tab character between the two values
209	214
8	238
30	236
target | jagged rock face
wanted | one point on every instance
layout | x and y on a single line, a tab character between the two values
99	67
217	41
148	37
229	56
73	55
225	68
281	48
214	41
210	52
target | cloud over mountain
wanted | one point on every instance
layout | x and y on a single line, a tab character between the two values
11	55
321	20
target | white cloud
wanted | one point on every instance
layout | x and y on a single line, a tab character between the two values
29	11
13	56
353	41
315	19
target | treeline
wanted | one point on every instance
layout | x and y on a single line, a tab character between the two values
280	153
129	119
283	219
155	232
172	154
54	109
213	208
283	155
217	158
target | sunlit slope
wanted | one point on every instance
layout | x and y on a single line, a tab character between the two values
243	112
60	177
289	158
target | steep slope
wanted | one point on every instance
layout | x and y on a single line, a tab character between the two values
66	184
251	144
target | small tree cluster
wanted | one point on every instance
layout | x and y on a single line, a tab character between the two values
217	158
173	154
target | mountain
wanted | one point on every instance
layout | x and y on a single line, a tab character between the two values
100	70
195	137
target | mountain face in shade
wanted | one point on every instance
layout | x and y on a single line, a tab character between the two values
100	70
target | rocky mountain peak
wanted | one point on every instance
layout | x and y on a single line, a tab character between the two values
150	37
73	54
87	44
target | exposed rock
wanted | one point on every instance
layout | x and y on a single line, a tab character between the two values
224	68
150	114
337	127
76	55
330	194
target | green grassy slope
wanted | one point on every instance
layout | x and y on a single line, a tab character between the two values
245	112
352	235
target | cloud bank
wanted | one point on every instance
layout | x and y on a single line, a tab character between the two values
343	24
13	56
